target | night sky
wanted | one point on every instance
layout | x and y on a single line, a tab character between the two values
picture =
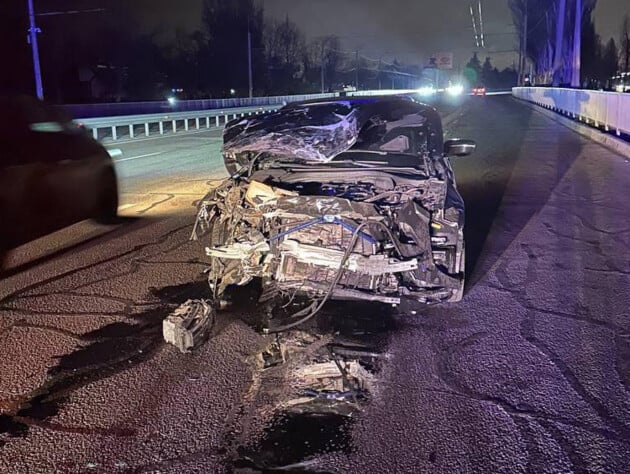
408	29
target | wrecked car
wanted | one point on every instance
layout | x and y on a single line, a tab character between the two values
351	199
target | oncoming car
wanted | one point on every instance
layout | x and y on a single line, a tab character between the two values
351	199
52	173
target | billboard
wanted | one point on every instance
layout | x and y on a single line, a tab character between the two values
441	61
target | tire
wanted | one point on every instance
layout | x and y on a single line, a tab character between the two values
4	247
106	211
3	254
458	294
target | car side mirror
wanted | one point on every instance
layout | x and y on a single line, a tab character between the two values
459	147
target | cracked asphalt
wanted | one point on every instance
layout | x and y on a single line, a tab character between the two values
529	373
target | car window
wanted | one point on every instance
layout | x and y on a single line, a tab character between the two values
33	131
23	114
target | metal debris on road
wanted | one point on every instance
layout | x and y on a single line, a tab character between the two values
189	325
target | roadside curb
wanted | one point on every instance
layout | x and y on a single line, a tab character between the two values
609	141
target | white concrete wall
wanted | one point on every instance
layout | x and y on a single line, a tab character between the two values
609	110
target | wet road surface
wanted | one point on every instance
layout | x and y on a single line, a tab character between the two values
530	373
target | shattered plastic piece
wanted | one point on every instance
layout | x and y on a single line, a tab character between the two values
259	194
189	325
335	395
274	354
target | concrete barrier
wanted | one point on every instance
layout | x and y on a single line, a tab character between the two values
607	110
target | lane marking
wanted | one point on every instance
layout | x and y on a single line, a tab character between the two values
140	156
125	206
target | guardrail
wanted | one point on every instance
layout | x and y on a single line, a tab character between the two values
609	110
144	124
175	106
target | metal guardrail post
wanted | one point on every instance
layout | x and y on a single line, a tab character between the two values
161	128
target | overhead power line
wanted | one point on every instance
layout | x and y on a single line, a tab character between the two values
71	12
481	26
474	23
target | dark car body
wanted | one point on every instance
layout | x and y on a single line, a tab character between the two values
52	173
347	199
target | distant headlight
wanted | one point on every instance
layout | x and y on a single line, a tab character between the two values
171	100
426	91
455	90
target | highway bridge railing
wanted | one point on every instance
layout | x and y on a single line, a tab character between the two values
607	110
146	124
207	114
174	105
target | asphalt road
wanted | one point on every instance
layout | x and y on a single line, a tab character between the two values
167	167
529	373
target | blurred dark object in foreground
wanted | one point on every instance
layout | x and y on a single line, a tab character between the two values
52	173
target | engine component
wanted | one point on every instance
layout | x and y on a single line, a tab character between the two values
189	325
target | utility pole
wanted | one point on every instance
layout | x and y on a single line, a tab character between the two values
32	39
523	65
356	72
322	69
577	45
249	60
558	57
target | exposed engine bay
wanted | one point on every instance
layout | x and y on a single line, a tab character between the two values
357	202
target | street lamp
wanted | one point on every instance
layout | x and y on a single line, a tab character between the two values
33	30
32	39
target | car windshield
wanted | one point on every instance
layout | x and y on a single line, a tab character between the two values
321	131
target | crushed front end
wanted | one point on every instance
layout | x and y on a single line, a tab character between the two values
355	227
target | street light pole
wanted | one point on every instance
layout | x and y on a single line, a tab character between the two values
356	72
32	39
322	68
577	45
249	61
525	39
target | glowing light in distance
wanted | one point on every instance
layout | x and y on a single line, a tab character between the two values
455	90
